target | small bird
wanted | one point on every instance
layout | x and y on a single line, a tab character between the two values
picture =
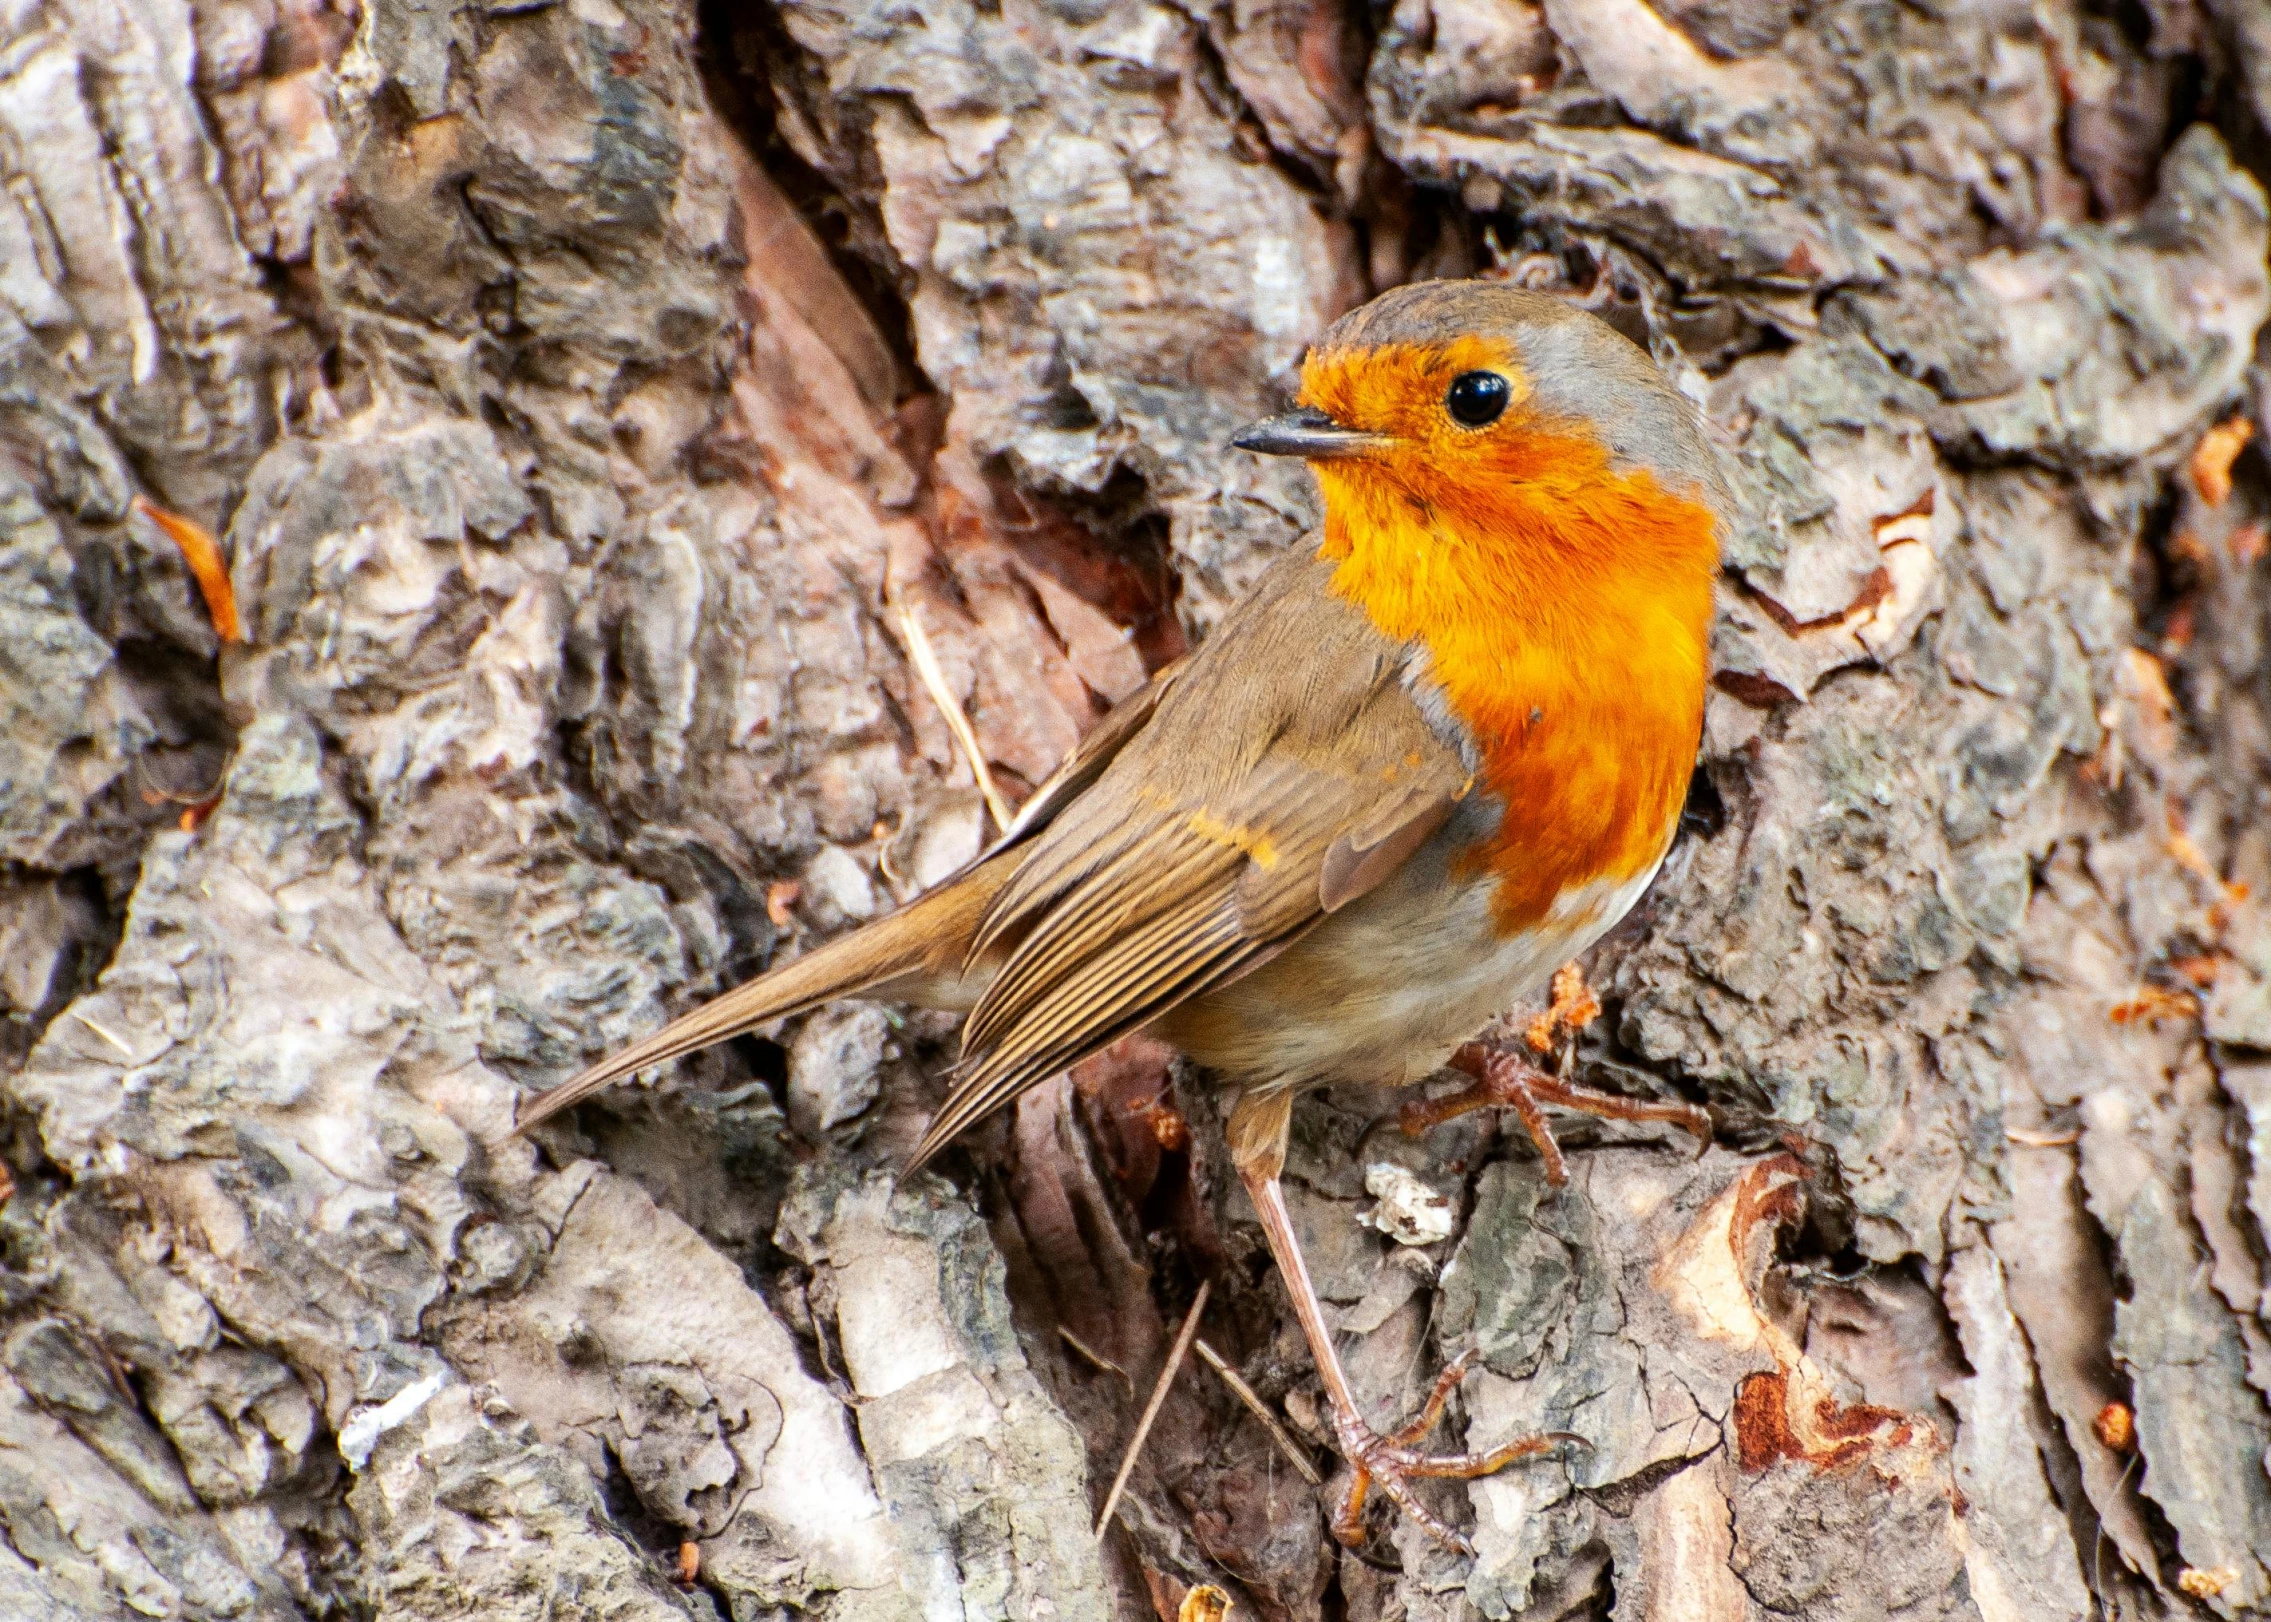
1439	750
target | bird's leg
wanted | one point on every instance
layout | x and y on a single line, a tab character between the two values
1257	1145
1503	1078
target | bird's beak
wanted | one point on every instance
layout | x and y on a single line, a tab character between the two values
1306	432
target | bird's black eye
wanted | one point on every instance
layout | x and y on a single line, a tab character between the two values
1477	399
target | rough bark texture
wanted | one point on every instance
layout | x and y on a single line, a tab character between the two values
590	394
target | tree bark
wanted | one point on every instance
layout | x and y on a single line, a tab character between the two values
605	406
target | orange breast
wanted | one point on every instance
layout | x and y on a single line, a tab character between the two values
1566	610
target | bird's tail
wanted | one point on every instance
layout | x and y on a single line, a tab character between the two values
923	943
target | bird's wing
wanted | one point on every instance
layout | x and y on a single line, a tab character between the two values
1286	773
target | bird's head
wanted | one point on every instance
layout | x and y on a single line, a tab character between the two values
1467	434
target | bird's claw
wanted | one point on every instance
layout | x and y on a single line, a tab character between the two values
1393	1463
1505	1078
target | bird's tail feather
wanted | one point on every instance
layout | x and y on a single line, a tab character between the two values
924	940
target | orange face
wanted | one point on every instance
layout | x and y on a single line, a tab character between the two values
1400	389
1565	603
1523	493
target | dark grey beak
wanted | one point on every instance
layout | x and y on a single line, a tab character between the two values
1306	432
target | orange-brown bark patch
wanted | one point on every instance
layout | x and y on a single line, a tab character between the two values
1840	1433
203	555
1771	1192
2212	460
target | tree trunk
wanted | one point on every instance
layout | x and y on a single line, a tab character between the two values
606	408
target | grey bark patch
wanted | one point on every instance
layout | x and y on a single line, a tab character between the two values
1511	1280
835	1067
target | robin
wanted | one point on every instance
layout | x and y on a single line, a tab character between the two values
1433	756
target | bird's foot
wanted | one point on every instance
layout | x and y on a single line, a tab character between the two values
1392	1463
1504	1079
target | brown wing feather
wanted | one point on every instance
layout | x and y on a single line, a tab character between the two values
1119	992
1287	773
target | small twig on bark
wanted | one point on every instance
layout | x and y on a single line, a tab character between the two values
106	1035
1278	1433
1096	1357
925	660
1158	1400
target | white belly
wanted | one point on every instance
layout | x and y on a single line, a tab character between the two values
1384	990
